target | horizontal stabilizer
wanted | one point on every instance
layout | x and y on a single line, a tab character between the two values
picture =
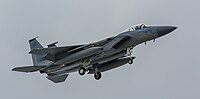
28	68
58	78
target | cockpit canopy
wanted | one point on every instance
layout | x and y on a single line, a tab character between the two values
136	27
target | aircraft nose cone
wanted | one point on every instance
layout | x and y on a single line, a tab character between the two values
165	30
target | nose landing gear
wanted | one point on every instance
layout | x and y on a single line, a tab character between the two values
129	53
130	61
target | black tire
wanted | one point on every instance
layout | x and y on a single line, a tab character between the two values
130	61
97	75
81	71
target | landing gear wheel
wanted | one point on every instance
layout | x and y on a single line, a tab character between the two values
97	75
130	61
81	71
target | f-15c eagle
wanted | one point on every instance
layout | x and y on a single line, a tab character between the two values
93	58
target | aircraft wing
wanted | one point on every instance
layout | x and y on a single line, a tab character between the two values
53	51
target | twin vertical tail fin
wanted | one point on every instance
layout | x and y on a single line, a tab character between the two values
37	59
40	62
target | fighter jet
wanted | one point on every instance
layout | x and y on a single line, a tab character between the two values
93	58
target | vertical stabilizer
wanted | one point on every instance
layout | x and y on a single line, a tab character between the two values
37	59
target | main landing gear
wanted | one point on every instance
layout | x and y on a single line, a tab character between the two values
82	71
97	74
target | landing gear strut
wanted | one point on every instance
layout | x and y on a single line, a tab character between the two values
81	71
129	53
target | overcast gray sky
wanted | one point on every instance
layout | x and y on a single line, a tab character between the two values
166	69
